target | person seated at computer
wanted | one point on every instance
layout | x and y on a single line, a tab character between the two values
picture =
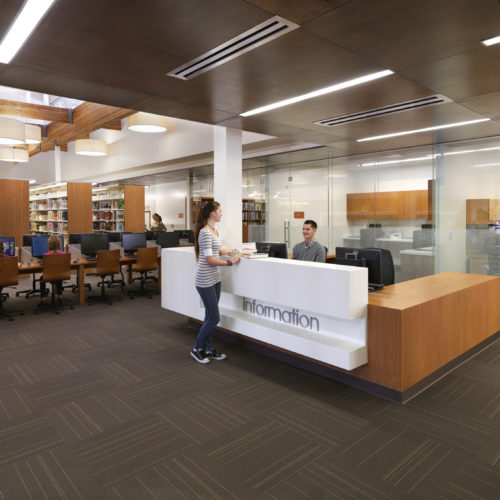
158	224
309	249
54	245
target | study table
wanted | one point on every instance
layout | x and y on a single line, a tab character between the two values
81	265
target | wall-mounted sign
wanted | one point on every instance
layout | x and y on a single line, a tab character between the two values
180	216
298	215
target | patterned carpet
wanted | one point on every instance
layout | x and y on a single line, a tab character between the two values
104	402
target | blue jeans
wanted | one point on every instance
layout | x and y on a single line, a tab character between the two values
45	292
210	297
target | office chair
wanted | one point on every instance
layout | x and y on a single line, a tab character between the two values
147	260
56	268
30	291
8	277
107	264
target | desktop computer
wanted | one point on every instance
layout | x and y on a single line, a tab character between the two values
92	243
8	246
132	241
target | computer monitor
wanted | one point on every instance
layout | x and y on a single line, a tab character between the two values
8	246
277	250
132	241
150	235
114	237
92	243
75	238
167	240
27	239
185	234
378	261
40	245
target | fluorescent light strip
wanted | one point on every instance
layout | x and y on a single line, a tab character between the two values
22	27
450	153
418	131
391	162
491	41
319	92
487	165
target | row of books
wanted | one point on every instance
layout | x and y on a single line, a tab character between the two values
252	205
108	216
108	226
253	216
108	205
58	204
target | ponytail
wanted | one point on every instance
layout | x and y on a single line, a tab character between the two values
201	222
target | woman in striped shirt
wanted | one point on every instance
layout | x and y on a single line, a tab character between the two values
208	248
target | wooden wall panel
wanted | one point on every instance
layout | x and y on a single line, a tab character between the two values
14	209
134	208
79	207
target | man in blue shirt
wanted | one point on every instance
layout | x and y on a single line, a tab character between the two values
309	249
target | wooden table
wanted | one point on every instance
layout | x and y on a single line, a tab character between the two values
81	265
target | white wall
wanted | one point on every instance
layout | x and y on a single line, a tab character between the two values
169	200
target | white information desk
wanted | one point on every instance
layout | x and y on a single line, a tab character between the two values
318	311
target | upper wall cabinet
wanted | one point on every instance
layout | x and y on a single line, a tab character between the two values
482	211
388	205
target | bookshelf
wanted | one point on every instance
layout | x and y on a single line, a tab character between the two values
253	213
118	209
60	209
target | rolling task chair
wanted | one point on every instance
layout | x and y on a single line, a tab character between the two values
147	260
107	264
8	277
56	268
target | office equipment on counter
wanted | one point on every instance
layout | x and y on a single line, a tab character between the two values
276	250
40	246
167	239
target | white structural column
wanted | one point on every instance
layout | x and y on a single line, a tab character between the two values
57	164
227	183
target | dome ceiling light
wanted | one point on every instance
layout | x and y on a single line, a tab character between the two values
12	132
91	147
14	155
33	134
147	122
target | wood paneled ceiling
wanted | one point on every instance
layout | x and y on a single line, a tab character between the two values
117	52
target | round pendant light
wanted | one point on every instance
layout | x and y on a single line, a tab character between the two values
33	134
147	122
12	132
14	155
91	147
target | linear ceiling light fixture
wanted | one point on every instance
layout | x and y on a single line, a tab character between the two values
418	131
467	151
391	162
147	122
491	41
20	30
487	165
91	147
14	155
320	92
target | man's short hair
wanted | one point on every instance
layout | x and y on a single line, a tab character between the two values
313	224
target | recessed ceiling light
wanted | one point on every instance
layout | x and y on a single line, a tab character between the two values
319	92
22	27
418	131
491	41
467	151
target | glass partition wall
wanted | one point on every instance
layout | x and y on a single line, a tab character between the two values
435	208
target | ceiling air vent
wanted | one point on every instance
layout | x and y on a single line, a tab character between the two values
251	39
385	110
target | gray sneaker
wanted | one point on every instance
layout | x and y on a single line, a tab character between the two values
219	356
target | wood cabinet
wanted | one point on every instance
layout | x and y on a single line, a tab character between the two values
482	211
388	205
14	209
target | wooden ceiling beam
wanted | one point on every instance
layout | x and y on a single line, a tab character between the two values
86	118
113	126
35	111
